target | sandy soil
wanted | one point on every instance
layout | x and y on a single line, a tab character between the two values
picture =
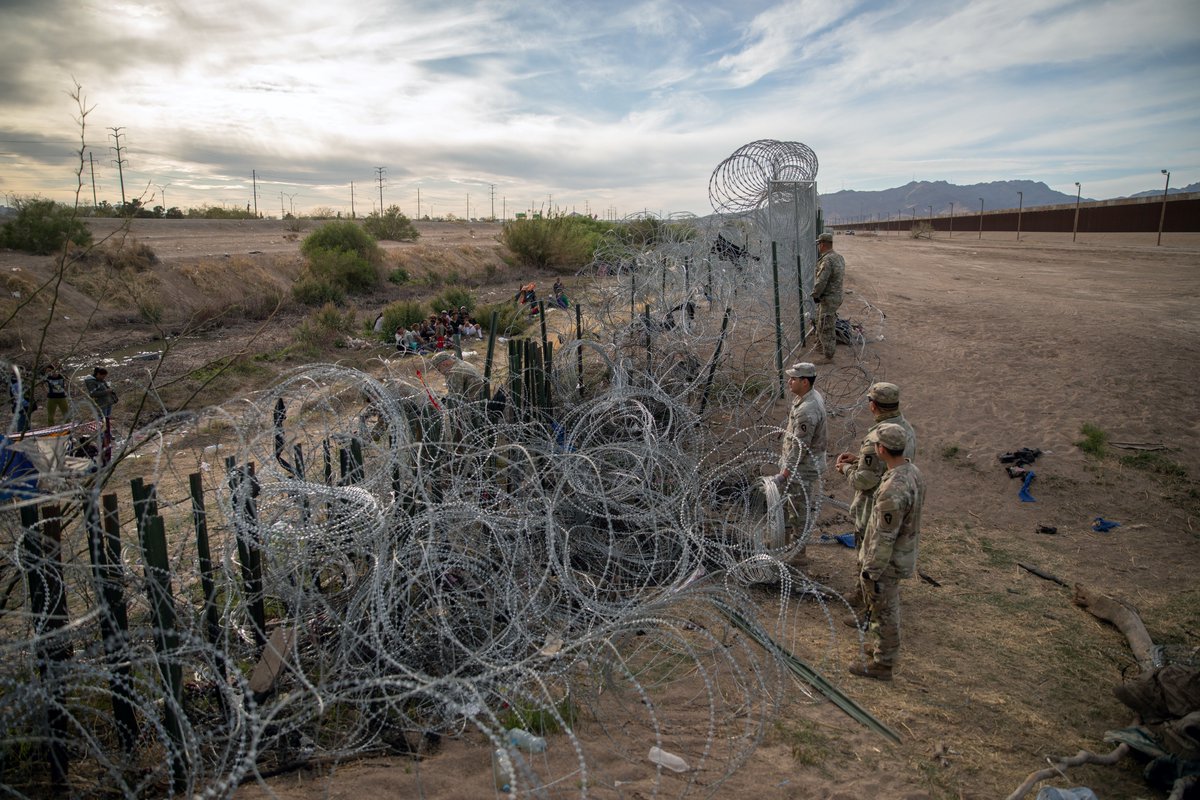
997	345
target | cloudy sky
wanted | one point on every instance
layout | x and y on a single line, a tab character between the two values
609	106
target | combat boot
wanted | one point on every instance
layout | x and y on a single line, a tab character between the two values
872	669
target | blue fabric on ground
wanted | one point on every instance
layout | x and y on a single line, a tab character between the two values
18	475
1102	525
1024	494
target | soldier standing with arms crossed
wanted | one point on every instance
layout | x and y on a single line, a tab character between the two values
864	470
889	550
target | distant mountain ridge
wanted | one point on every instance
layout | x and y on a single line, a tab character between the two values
849	205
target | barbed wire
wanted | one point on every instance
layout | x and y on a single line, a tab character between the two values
433	567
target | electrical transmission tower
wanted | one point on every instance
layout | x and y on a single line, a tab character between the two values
116	134
380	171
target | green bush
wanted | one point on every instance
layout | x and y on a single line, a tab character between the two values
390	225
350	271
402	312
564	242
218	212
511	319
451	299
342	235
43	227
313	291
398	276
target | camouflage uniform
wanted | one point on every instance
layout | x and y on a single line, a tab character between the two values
806	426
865	474
465	383
889	554
827	294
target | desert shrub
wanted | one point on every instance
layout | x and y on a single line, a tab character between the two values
451	299
511	319
43	227
132	255
331	274
565	242
219	212
391	225
398	276
333	319
313	291
345	236
402	312
921	230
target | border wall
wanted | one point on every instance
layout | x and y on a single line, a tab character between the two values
1125	215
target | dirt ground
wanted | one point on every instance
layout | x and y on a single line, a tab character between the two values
997	345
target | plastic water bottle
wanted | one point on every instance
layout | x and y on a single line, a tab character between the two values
524	740
1077	793
668	760
502	770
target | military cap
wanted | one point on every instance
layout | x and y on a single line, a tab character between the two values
890	435
802	370
825	237
886	393
442	358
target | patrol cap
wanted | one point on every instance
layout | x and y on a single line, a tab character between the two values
890	435
804	369
442	358
887	394
825	237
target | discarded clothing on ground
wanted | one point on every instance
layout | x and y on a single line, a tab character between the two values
1102	525
1024	494
1022	457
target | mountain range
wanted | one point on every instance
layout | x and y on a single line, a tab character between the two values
852	206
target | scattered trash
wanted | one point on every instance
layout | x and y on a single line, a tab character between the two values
1102	525
1024	494
524	740
1047	529
668	760
502	770
1022	457
844	538
1016	472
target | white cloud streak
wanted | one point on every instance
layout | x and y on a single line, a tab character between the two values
626	103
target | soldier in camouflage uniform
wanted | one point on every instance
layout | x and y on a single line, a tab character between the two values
889	551
863	470
464	383
804	447
827	292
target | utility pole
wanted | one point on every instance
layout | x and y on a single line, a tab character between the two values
351	199
981	219
92	164
504	208
468	206
254	180
116	134
418	202
1162	217
493	190
1020	207
282	210
1075	227
951	236
381	170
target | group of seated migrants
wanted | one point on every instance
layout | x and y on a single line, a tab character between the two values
437	332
